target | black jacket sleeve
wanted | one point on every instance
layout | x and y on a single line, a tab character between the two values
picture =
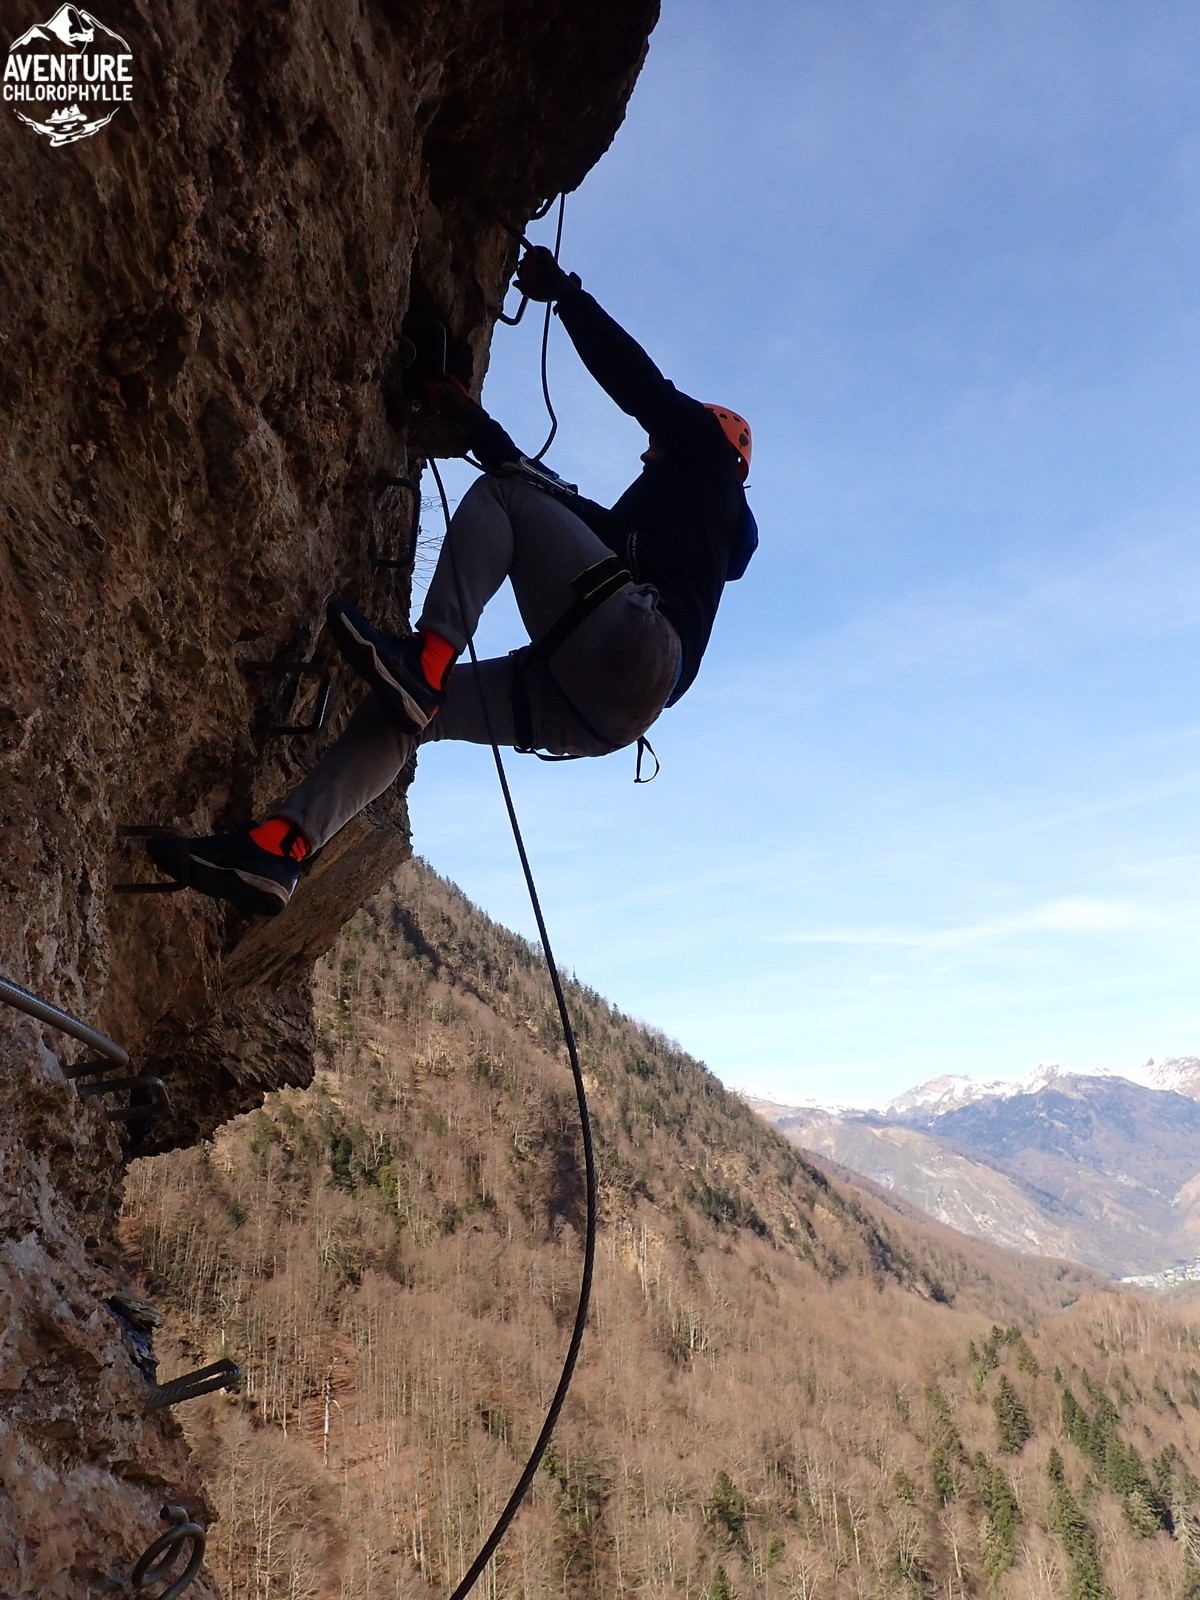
628	376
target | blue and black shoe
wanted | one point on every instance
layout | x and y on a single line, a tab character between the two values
228	866
391	665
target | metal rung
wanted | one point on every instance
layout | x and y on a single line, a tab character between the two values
502	315
151	831
223	1374
113	1055
320	710
413	486
155	1565
297	669
14	995
422	352
158	1100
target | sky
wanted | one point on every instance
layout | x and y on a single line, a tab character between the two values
933	804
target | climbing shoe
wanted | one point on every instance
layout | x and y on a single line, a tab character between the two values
391	665
228	866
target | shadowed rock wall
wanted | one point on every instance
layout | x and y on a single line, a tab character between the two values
198	306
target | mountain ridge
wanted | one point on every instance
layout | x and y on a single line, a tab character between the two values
1099	1167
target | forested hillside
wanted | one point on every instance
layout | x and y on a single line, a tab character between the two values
785	1388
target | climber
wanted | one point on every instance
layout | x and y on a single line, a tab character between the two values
618	603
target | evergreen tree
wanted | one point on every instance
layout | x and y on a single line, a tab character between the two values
1002	1518
1145	1501
721	1588
1012	1419
1074	1420
990	1352
945	1484
1027	1362
1078	1539
725	1511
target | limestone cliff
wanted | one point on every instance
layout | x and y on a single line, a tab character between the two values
199	307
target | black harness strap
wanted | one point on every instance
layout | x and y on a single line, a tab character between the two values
593	586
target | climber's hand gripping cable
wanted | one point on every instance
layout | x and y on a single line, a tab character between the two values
539	276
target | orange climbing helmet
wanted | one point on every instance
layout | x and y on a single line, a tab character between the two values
737	430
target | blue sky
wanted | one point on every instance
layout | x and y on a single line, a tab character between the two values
933	804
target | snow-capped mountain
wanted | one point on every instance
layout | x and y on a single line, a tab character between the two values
1103	1167
937	1095
1179	1075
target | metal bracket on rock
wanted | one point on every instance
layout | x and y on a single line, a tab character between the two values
516	233
294	672
223	1374
511	322
429	342
421	354
148	1094
399	564
153	1091
141	831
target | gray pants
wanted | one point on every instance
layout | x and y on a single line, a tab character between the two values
601	690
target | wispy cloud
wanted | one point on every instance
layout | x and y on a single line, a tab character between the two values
1071	915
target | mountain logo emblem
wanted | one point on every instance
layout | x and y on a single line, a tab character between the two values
68	78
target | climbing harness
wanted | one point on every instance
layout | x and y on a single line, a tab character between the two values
592	587
541	476
155	1565
589	1159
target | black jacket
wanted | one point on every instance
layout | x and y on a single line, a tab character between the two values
676	526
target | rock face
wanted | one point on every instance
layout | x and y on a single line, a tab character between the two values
200	305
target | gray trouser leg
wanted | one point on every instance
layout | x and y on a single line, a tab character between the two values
601	690
364	761
616	670
507	528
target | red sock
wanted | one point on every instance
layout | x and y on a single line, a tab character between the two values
281	838
438	655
